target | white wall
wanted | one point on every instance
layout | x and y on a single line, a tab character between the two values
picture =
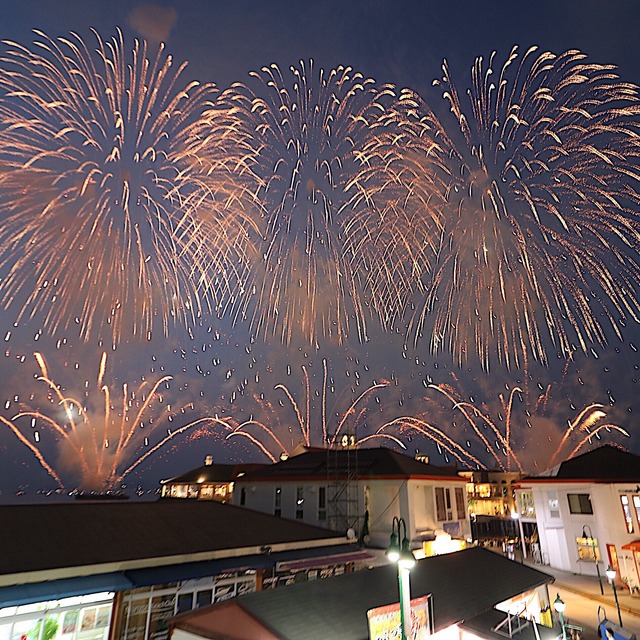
412	500
558	535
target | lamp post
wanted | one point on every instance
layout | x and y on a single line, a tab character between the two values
400	553
595	557
560	606
611	575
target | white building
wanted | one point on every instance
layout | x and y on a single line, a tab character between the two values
362	490
587	511
208	482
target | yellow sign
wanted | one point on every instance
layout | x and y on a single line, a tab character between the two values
384	622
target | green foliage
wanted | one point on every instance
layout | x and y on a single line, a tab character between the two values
50	629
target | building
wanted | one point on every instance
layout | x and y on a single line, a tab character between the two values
467	595
492	505
120	569
208	482
587	511
360	491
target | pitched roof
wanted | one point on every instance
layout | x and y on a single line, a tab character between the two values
337	607
360	463
604	464
213	473
66	535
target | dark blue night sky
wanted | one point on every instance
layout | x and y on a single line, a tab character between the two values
222	367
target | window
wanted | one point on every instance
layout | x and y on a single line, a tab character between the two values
277	502
626	509
579	503
554	504
527	505
299	503
461	504
636	506
203	598
70	622
443	504
185	602
322	503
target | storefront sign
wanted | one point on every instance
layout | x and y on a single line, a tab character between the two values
384	622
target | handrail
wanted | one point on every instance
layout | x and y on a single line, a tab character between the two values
604	611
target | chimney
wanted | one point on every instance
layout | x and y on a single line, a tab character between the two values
208	461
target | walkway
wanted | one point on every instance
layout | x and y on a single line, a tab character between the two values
588	587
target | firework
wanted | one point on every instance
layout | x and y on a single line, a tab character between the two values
326	165
501	436
540	242
268	434
96	440
107	211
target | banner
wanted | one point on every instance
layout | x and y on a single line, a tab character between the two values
384	622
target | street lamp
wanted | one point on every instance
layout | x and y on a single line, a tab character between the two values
400	553
595	557
611	575
560	606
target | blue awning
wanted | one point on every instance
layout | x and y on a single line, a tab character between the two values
123	581
193	570
57	589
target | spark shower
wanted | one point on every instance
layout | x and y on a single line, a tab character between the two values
320	207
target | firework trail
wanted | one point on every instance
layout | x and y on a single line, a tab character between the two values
108	216
501	435
268	436
326	164
540	242
105	444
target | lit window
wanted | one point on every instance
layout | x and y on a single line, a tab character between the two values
626	509
580	503
484	490
527	505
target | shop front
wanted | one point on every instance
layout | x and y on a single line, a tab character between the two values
629	563
76	618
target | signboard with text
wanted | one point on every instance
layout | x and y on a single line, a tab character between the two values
384	622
